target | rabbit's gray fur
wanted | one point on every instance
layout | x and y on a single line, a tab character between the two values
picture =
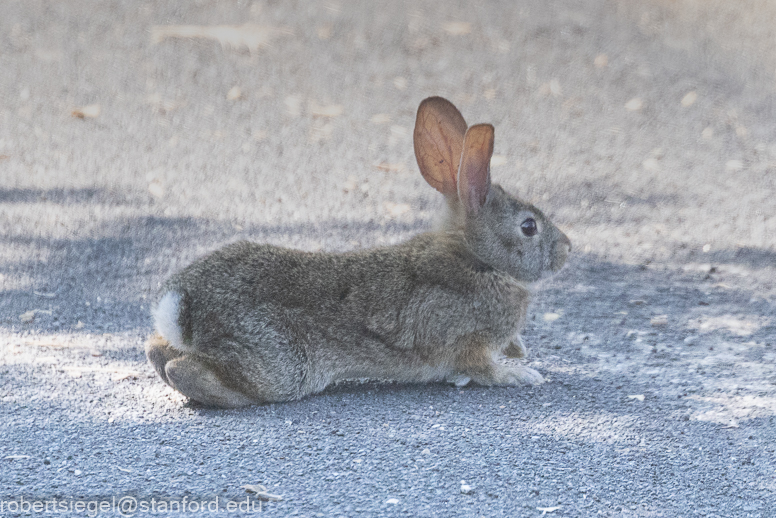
254	323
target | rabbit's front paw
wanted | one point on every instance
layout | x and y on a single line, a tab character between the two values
516	375
459	380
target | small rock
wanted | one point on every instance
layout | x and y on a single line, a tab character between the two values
27	317
156	189
497	160
634	105
689	99
659	320
457	28
466	489
234	93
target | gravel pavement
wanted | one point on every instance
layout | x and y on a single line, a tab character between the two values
646	129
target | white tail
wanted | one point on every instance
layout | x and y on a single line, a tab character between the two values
166	319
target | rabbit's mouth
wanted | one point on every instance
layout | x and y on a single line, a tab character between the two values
561	252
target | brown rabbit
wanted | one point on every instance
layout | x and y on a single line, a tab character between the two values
254	323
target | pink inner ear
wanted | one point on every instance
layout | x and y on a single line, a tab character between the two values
474	171
438	137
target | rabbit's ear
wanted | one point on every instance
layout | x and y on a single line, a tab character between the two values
439	132
474	172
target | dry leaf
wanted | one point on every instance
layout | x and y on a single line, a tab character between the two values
79	325
497	160
601	60
324	32
27	317
546	510
89	111
634	104
44	294
261	492
385	166
251	36
651	164
392	501
332	110
17	457
293	105
350	184
234	93
5	157
380	118
399	131
320	131
555	89
689	99
400	82
125	470
707	132
156	189
457	28
551	317
46	343
734	165
122	374
638	397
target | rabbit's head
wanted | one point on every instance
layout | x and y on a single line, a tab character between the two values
502	231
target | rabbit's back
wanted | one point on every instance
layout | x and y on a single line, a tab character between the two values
417	298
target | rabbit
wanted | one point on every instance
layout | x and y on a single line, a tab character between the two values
255	323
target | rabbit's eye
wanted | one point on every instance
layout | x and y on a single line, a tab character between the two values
529	227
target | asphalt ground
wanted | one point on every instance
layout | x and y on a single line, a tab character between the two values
646	130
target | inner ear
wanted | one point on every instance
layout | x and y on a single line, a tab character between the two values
438	138
474	170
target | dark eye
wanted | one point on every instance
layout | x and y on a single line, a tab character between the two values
529	227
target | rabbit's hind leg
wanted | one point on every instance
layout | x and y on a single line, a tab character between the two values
194	378
159	353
